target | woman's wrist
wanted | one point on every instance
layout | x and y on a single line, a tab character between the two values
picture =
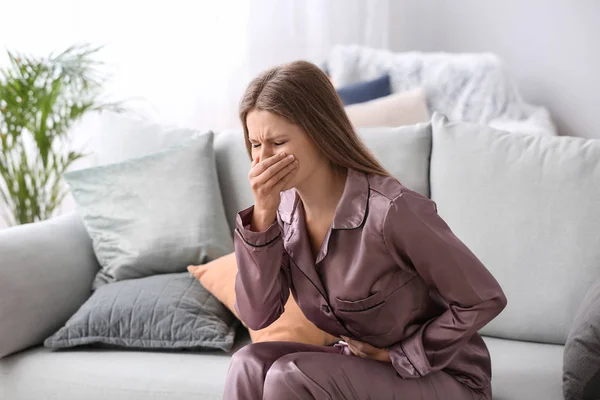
262	219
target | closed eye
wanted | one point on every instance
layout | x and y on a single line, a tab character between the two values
256	145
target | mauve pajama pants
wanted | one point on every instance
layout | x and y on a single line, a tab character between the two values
296	371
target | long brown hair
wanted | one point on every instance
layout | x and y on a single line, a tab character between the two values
303	94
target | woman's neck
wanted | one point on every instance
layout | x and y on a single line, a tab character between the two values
321	193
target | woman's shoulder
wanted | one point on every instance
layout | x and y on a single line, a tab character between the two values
386	191
385	186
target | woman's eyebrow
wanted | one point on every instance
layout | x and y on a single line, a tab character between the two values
271	138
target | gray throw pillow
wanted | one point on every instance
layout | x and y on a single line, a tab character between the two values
169	311
581	364
153	214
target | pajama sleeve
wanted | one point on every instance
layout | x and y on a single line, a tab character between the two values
413	230
262	284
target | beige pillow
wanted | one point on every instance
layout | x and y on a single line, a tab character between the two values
397	109
218	277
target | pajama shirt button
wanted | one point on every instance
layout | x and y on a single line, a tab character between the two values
326	308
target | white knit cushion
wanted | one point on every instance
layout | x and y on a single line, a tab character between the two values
472	87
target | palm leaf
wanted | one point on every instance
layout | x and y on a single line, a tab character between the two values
41	98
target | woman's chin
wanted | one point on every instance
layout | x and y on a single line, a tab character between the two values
288	186
293	183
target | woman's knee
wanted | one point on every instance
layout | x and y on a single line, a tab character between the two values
246	373
293	377
255	354
279	377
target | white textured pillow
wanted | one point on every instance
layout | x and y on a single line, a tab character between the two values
122	137
397	109
154	214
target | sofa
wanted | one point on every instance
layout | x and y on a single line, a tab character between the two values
522	203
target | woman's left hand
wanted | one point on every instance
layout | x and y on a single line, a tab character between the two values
365	350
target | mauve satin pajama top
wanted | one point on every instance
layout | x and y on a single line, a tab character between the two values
390	272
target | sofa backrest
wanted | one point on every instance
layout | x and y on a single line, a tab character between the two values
529	208
403	151
233	165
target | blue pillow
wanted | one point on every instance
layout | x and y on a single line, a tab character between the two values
361	92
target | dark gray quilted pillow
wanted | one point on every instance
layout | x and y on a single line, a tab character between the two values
581	367
168	311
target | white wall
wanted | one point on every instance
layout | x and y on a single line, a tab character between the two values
550	47
187	62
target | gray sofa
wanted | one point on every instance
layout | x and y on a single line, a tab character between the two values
520	202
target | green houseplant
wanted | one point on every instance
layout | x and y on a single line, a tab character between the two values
41	98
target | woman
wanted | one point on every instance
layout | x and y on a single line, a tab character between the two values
366	258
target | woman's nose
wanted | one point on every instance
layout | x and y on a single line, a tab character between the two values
264	154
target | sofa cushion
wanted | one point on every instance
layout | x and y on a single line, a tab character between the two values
404	151
520	370
166	311
581	370
233	165
101	374
527	206
525	370
153	214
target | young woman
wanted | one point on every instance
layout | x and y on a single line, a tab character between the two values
366	259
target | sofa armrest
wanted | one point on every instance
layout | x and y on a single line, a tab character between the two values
46	274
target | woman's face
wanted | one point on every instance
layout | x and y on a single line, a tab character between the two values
271	134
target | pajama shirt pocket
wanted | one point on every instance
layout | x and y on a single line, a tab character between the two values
366	317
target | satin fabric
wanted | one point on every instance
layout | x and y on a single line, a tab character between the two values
390	272
297	371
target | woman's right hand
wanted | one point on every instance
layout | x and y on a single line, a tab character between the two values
267	179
